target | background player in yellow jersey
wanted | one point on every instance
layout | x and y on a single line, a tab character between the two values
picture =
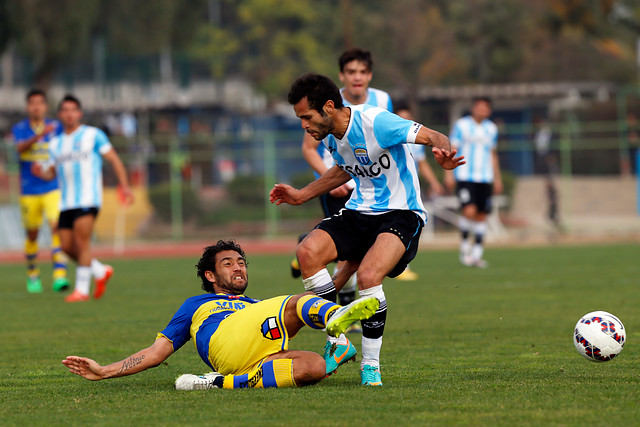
38	197
244	340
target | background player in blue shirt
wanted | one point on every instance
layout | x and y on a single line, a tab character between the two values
379	229
245	340
38	197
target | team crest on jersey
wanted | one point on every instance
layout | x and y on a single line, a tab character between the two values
270	329
362	156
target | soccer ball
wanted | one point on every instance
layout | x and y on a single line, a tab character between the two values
599	336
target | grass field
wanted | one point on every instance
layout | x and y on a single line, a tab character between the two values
461	347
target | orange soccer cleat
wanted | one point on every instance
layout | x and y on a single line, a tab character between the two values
101	284
77	297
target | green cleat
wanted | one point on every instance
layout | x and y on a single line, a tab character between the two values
370	375
338	354
60	284
34	285
360	309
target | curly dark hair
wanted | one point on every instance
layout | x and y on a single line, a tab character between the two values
208	260
318	89
355	54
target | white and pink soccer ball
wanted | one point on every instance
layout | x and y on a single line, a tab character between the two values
599	336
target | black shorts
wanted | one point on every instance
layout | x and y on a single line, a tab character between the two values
475	193
332	205
354	233
67	218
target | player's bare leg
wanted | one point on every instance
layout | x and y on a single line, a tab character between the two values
383	256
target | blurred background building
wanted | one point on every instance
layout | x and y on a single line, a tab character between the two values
193	94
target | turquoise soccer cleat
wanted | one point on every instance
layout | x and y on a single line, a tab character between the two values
338	354
370	375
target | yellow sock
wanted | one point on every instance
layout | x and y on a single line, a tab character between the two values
315	311
59	258
31	254
274	373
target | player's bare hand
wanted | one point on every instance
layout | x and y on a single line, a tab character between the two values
48	129
341	191
283	193
447	160
126	195
83	366
36	169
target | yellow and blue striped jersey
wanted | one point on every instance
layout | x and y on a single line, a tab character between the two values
38	152
199	318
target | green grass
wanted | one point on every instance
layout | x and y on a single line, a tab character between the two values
461	347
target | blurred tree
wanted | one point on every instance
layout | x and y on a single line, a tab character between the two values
51	33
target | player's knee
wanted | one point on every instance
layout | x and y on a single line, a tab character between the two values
309	369
305	252
32	235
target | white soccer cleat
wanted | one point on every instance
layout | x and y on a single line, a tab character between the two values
197	382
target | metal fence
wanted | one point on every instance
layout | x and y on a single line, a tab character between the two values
221	179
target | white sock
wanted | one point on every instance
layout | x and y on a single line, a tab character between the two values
98	269
477	251
480	228
371	351
342	339
464	224
352	284
83	279
319	283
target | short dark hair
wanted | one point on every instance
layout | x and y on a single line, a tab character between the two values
482	99
355	54
401	104
70	98
208	260
318	89
35	92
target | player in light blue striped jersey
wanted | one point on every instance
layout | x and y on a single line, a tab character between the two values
378	231
476	138
76	160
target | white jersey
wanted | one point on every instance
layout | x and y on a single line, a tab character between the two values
78	161
374	151
475	141
375	97
418	151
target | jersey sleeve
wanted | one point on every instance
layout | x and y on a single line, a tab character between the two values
178	329
390	105
17	134
390	129
102	146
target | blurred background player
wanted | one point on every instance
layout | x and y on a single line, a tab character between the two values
76	159
420	156
475	137
38	197
379	230
246	341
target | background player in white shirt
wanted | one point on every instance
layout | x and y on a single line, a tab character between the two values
475	137
379	229
76	160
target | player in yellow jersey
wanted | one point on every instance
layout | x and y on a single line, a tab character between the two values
38	197
244	340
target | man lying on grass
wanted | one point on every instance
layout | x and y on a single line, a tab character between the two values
245	341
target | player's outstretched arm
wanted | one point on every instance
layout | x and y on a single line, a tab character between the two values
138	362
283	193
121	174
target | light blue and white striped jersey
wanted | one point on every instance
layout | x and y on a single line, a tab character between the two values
375	97
418	151
374	151
78	162
475	141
